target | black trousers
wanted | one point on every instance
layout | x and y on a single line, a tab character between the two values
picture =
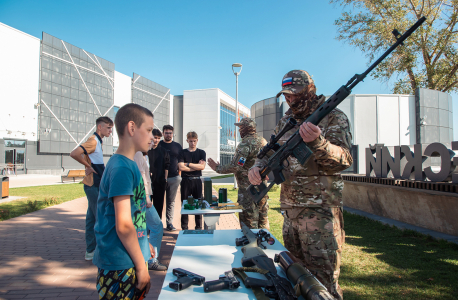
158	196
191	187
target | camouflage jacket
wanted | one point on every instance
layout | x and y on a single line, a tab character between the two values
243	160
318	183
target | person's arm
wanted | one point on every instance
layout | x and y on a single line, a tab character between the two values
77	154
128	235
332	151
184	167
201	165
167	164
86	148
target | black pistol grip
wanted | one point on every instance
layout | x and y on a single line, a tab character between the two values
181	283
215	285
258	191
255	282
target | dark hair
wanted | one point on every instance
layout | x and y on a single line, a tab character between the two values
131	112
167	127
105	120
157	132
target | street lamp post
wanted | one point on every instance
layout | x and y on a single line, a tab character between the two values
236	65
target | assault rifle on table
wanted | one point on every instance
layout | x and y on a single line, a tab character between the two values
305	284
295	146
275	286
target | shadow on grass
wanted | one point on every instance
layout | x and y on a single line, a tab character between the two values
408	265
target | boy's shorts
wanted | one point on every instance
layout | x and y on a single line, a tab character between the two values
113	285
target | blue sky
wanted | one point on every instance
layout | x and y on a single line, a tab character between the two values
186	45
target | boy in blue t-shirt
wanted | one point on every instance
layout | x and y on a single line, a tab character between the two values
122	248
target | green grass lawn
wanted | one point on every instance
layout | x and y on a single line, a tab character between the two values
39	197
223	176
382	262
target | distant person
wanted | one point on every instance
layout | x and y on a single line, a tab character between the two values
253	215
153	222
90	155
191	162
122	245
159	163
173	178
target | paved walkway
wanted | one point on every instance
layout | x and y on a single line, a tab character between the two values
42	254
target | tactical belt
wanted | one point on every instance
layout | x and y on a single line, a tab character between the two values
258	292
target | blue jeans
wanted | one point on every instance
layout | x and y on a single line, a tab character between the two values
156	230
92	194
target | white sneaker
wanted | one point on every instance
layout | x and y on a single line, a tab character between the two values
89	255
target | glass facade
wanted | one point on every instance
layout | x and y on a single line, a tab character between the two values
227	133
76	87
153	96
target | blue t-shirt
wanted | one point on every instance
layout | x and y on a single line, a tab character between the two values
121	177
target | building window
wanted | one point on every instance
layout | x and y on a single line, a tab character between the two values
227	133
15	143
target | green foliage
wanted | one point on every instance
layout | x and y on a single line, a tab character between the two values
223	176
429	57
39	197
32	206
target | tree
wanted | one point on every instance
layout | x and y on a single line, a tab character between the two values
429	57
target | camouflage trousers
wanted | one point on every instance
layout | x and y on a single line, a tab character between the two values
316	236
255	216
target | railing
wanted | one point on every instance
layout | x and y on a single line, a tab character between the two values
424	185
10	169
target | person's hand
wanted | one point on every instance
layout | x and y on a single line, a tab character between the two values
149	203
213	164
309	132
143	279
255	177
90	170
153	251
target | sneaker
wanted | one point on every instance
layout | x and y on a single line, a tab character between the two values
156	266
170	228
89	255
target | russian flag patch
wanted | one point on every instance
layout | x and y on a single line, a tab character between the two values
241	161
287	81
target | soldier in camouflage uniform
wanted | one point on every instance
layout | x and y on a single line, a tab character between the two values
253	215
311	196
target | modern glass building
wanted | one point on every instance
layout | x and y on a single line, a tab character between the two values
52	93
228	132
76	87
211	114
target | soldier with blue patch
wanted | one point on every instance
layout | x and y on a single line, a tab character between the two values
253	215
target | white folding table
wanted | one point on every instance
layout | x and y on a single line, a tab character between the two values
210	255
211	216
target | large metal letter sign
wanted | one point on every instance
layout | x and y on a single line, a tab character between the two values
412	165
446	165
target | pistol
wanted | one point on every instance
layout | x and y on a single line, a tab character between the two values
226	281
185	279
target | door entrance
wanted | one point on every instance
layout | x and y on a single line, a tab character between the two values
14	157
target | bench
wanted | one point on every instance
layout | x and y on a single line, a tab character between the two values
73	174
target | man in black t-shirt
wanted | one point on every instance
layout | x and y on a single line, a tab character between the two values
159	162
173	178
191	162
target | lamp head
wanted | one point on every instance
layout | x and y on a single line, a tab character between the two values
236	65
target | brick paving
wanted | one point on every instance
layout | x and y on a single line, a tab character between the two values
42	253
